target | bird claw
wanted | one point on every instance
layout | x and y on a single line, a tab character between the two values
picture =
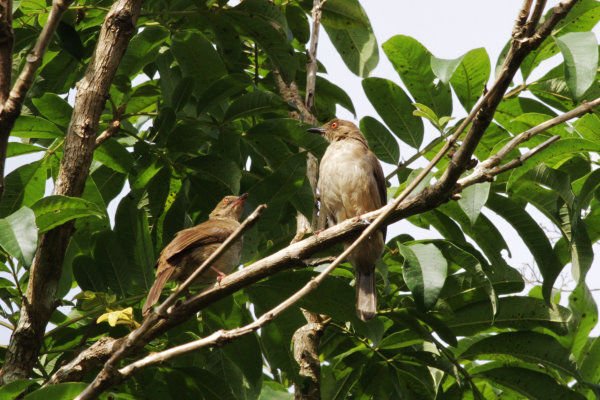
220	275
318	232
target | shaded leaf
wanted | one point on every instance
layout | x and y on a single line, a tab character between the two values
53	211
18	235
381	141
580	51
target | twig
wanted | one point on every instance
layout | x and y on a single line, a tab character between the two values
6	48
415	157
109	132
521	159
521	20
536	15
108	373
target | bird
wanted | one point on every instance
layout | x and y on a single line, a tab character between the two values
192	246
351	183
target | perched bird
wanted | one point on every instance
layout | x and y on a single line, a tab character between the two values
192	246
351	183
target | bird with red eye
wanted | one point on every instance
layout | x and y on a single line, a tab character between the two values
351	183
192	246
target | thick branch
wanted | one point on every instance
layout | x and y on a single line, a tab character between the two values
117	29
11	104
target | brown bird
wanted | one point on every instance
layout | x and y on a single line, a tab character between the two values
192	246
351	183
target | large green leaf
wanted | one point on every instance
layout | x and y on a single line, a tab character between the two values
197	57
349	29
264	22
60	391
254	103
23	187
222	89
12	390
53	211
530	384
580	51
220	170
412	61
143	49
18	235
27	126
534	237
513	312
54	108
473	198
380	140
471	76
291	131
395	108
115	156
532	347
424	272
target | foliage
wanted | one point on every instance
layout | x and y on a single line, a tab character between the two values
201	117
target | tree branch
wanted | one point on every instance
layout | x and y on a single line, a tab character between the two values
117	29
11	104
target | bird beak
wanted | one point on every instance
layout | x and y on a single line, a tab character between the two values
320	131
241	199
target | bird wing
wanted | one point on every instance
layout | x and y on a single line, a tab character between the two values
209	232
380	182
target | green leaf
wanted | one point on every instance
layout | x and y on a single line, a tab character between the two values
327	90
115	156
471	76
254	103
23	187
444	69
60	391
516	312
27	126
143	49
221	170
197	57
395	108
18	148
53	211
12	390
530	384
350	31
264	22
18	235
291	131
532	347
412	61
381	141
473	198
54	108
590	363
534	237
424	272
580	51
585	318
222	89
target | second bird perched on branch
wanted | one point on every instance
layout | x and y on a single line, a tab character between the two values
351	183
192	246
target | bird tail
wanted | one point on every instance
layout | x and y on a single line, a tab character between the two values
366	298
156	290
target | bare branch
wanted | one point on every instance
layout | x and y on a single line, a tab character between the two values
117	29
536	15
522	19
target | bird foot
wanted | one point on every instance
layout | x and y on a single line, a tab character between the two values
318	232
220	275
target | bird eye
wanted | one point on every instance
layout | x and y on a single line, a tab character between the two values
334	125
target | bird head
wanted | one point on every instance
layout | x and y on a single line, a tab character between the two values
339	129
230	207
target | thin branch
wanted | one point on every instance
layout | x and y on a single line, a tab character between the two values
517	162
109	132
536	15
415	156
522	19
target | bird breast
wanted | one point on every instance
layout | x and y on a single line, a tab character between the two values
347	184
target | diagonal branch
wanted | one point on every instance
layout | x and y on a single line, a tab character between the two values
117	29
